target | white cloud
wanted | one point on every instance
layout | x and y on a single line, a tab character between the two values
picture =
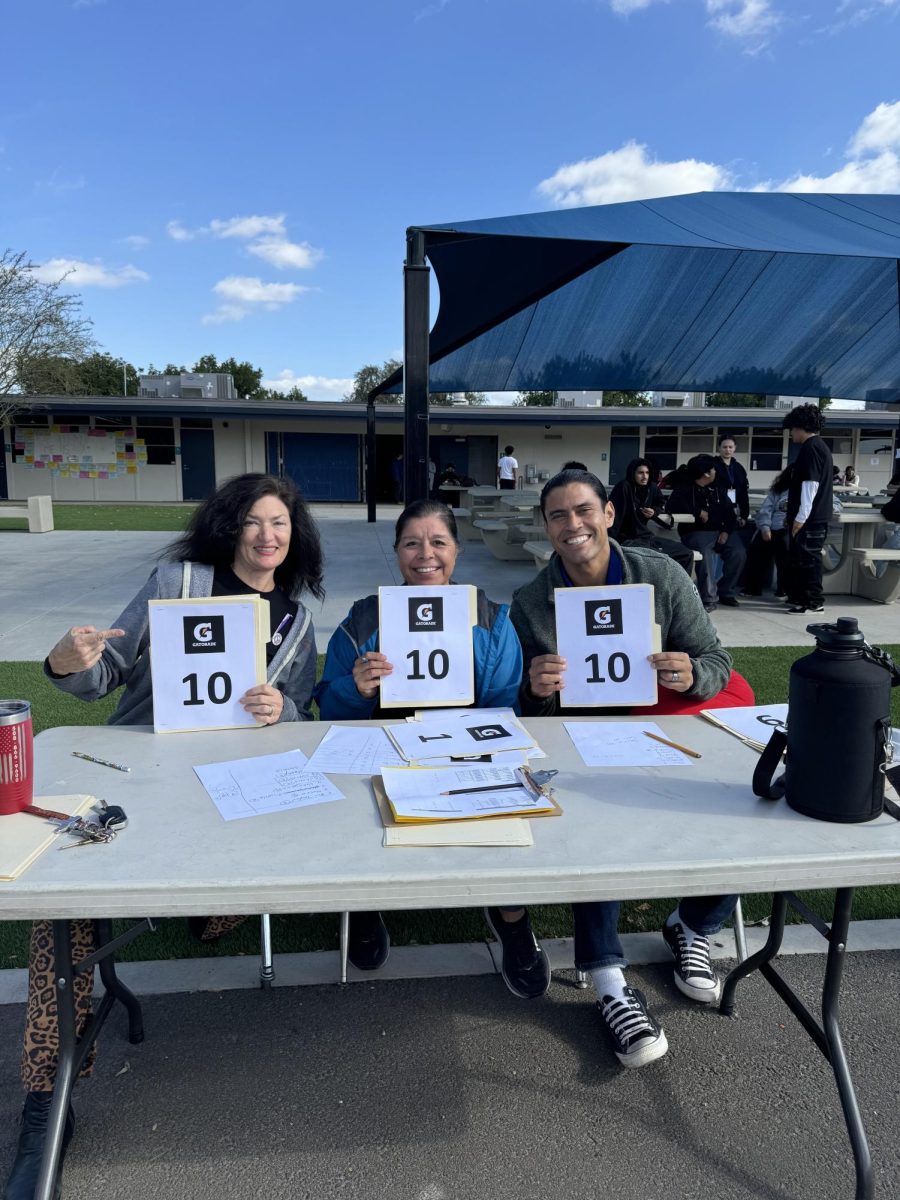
248	227
629	174
77	273
242	294
283	254
752	22
624	7
178	233
137	241
316	387
871	164
879	131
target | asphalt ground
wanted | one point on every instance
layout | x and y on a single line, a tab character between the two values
452	1090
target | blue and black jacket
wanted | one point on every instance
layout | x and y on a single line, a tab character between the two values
498	662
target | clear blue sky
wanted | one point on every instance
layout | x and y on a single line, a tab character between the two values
236	178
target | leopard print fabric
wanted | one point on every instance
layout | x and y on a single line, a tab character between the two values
217	927
40	1048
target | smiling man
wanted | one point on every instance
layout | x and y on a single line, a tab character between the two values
577	517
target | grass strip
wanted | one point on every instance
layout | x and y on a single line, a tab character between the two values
128	517
766	668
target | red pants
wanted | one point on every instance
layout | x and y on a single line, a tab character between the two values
736	692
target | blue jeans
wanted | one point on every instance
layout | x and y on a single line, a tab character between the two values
597	927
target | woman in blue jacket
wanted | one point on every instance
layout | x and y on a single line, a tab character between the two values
427	544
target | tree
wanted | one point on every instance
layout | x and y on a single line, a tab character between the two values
535	399
626	400
735	400
247	378
369	377
97	375
37	321
295	393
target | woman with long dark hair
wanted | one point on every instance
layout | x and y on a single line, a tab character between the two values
253	535
771	539
641	514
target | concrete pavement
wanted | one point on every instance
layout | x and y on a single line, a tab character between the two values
53	581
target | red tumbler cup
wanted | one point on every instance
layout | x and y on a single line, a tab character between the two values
16	756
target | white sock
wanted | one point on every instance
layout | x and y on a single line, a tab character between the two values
609	981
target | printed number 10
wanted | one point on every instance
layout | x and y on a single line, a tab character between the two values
619	668
212	689
438	664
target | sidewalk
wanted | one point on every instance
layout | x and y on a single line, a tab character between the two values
56	580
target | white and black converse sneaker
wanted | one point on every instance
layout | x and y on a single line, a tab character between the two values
694	975
637	1037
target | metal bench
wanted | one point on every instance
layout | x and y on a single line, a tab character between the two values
541	552
504	539
38	512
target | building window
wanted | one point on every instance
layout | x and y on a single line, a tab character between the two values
661	444
698	441
767	450
158	434
876	443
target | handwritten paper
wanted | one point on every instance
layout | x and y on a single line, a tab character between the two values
622	744
454	793
249	787
345	750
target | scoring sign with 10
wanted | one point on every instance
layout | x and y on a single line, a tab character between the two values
611	631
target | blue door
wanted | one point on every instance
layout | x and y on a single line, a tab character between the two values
198	464
4	494
325	466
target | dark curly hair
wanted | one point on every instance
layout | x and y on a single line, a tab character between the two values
214	529
808	417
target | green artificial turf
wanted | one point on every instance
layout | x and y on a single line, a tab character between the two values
163	517
766	668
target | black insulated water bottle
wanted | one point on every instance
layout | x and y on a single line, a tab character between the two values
839	729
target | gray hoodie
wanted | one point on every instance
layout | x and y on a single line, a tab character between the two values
127	659
684	624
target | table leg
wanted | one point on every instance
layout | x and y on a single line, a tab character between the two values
65	1071
117	989
345	939
266	963
826	1036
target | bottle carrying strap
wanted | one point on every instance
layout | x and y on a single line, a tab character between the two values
764	783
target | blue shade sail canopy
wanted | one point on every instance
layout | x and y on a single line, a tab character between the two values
795	294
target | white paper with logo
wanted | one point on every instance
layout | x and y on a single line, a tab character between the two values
423	741
426	634
605	635
204	655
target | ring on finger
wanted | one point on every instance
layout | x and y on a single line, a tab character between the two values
675	676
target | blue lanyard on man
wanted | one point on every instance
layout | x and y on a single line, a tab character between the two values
614	573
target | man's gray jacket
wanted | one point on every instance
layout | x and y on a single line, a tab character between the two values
683	621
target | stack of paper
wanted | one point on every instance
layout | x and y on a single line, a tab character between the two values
754	724
25	837
502	831
512	757
418	794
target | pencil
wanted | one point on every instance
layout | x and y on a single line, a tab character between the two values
491	787
674	745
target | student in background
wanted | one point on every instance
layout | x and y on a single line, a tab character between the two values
639	508
731	478
771	540
809	508
506	469
694	491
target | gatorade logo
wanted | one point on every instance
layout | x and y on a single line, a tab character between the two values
603	616
426	613
488	733
204	635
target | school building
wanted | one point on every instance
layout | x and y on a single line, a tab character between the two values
159	448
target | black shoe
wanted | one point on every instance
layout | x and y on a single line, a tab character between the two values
694	976
636	1035
730	601
27	1163
369	942
525	967
710	607
781	595
805	608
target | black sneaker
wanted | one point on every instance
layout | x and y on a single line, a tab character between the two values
637	1037
524	966
368	943
805	608
730	601
26	1166
694	975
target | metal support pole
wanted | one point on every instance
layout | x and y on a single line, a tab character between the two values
65	1070
740	939
266	964
370	460
345	941
116	988
415	368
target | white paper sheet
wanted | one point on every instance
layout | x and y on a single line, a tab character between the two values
249	787
426	633
754	721
466	714
419	793
605	635
349	751
420	741
502	831
622	744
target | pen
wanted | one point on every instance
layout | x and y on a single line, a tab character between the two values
282	625
491	787
674	745
104	762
